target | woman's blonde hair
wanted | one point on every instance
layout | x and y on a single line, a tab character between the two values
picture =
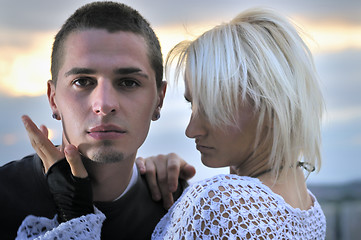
259	58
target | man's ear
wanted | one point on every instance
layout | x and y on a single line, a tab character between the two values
161	94
51	96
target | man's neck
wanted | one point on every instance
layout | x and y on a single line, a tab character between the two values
109	180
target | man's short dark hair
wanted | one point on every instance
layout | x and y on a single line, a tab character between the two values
112	17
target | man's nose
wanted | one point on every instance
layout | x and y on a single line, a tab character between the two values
104	99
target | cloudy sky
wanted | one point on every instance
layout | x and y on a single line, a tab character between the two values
333	30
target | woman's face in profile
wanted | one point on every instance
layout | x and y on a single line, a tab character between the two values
222	146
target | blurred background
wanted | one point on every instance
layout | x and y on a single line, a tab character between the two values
332	31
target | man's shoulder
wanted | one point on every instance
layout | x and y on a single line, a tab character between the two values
26	166
23	192
27	160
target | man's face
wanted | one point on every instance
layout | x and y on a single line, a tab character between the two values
106	94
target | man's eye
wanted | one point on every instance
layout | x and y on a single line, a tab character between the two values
82	82
128	83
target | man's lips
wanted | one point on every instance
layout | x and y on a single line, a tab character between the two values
102	132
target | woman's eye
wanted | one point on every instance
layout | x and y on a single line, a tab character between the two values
82	82
188	101
189	104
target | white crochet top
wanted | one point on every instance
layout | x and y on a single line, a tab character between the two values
221	207
86	227
235	207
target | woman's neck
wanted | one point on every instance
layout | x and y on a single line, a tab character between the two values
290	186
255	164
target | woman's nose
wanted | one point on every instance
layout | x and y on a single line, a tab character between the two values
196	127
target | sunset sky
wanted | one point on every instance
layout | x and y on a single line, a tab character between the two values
333	32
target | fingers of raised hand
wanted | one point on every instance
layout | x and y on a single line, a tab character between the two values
73	157
44	130
46	150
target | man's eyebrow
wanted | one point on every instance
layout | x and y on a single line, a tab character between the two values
130	70
120	71
75	71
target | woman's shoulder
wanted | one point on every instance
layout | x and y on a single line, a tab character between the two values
248	193
231	182
226	179
214	204
226	187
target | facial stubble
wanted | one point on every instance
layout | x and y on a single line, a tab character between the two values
106	155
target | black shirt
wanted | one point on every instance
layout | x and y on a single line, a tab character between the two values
24	191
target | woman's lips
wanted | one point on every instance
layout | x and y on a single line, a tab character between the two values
204	149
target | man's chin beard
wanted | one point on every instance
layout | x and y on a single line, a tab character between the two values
107	157
104	153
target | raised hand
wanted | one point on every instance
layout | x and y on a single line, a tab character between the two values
48	153
66	175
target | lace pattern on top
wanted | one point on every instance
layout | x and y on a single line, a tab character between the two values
234	207
82	228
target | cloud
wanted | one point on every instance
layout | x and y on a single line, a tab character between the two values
357	140
188	11
49	15
340	75
36	15
326	10
343	116
8	139
339	71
